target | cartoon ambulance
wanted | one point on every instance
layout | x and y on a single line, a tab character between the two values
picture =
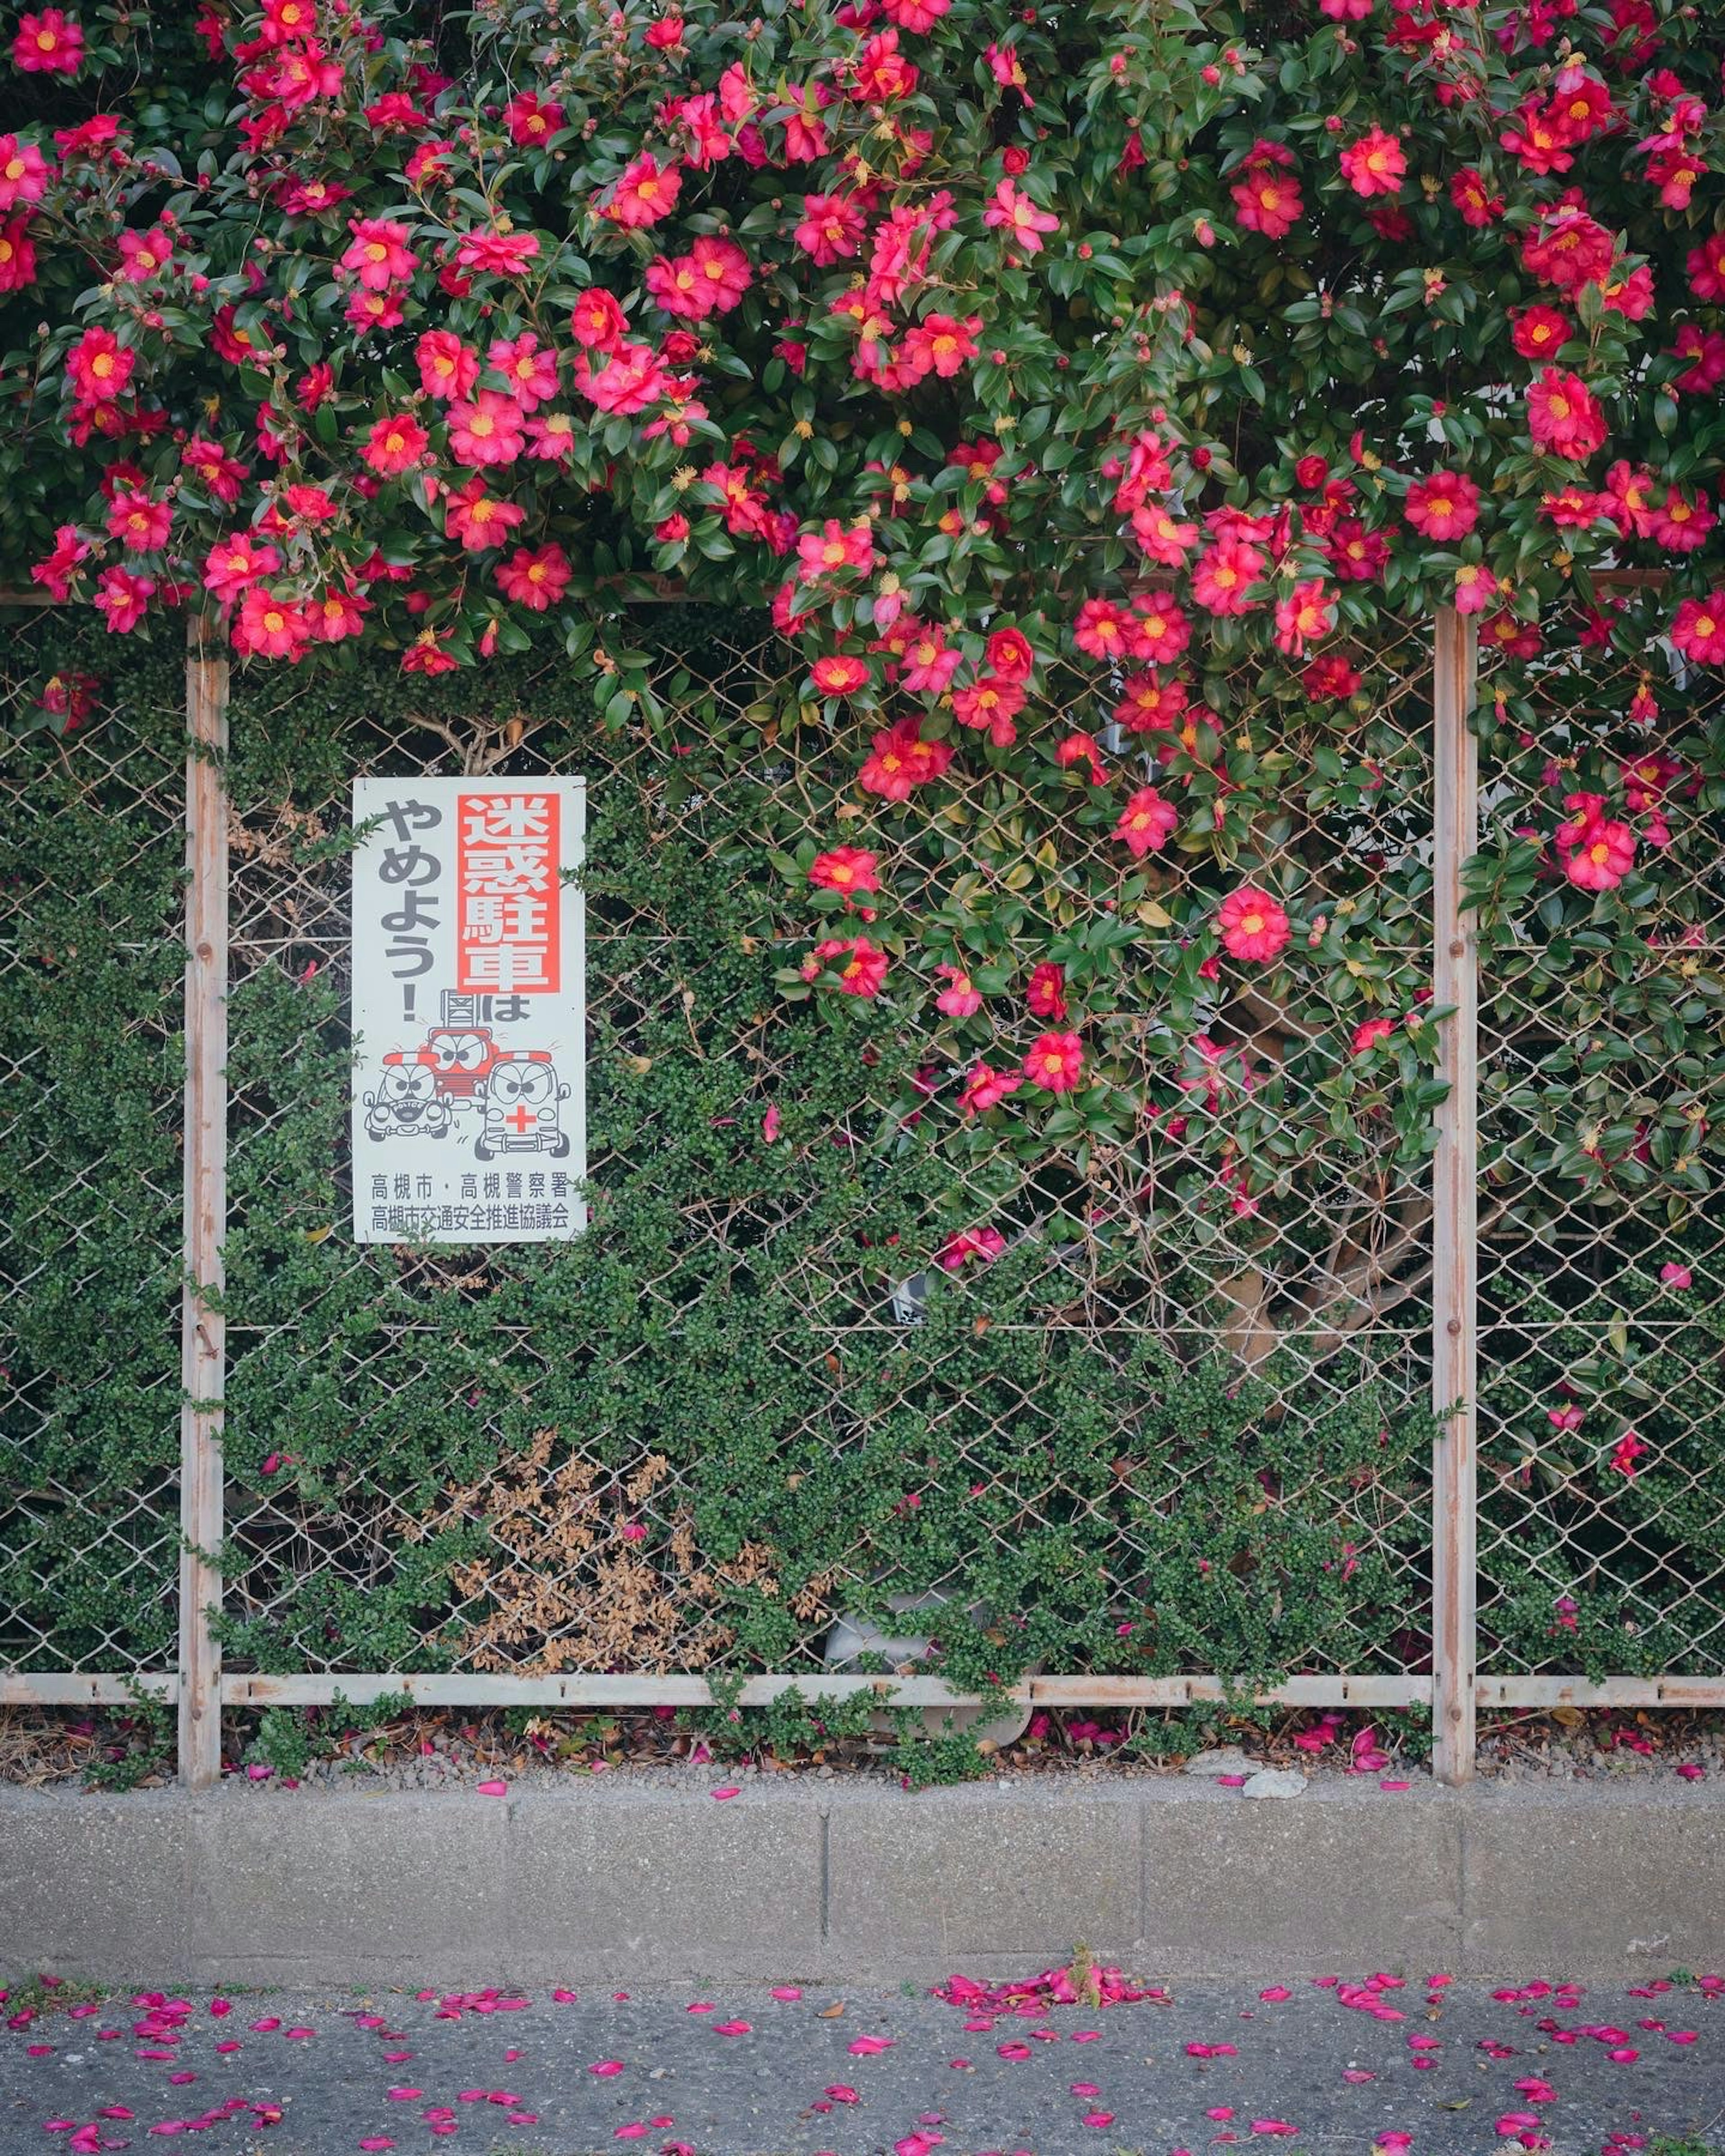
522	1107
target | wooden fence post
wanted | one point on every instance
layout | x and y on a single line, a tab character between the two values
203	1329
1455	1213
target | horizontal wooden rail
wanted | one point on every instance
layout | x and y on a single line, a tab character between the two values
74	1688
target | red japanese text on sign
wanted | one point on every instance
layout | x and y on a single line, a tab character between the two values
506	871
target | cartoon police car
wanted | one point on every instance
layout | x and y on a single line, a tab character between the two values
461	1057
521	1103
407	1103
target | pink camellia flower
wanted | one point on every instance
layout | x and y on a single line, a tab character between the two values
960	998
272	627
1055	1063
1146	822
1597	852
984	1088
1673	1275
486	430
1019	218
535	577
23	173
1446	506
1374	165
1305	615
1372	1033
394	444
984	1242
51	42
378	255
100	367
1253	925
1628	1449
1698	629
1266	194
1476	588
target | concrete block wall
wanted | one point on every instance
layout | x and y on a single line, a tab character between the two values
858	1880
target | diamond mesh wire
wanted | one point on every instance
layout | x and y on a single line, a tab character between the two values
1176	1420
1602	1264
91	959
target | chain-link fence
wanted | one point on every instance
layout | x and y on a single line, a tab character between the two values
1602	1254
91	963
990	1275
852	1350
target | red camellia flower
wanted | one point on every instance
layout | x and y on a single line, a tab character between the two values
839	674
1055	1063
847	869
901	761
1478	205
860	964
1541	332
531	119
535	577
1306	614
18	256
1146	822
51	42
426	655
646	191
1046	995
1253	925
597	321
1706	266
1446	506
1162	630
394	444
1010	655
1564	416
990	704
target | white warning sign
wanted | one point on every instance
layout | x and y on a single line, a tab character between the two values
469	1010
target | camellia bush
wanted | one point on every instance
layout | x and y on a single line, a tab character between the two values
1095	401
